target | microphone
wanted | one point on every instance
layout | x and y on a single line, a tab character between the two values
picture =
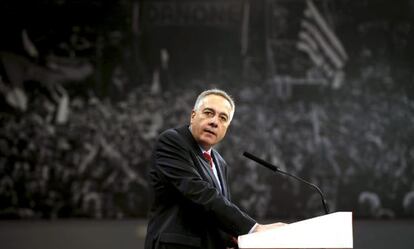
277	170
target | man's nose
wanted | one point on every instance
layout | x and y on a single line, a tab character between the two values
213	121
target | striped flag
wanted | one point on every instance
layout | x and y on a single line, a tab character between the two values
321	44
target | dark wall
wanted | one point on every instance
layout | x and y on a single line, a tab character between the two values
102	234
86	89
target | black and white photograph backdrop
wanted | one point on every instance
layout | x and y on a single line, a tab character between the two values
324	90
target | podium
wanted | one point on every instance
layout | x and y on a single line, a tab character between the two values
327	231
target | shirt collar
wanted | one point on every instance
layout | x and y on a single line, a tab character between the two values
203	150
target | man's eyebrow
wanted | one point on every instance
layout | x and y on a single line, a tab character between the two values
211	109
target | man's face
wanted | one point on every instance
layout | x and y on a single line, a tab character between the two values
210	122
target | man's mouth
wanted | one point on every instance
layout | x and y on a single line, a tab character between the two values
210	132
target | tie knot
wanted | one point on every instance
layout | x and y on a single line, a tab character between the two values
209	159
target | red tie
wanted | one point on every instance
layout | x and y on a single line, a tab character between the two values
209	159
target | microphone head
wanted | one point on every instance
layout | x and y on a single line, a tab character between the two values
261	161
246	154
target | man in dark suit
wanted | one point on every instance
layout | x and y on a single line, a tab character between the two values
191	205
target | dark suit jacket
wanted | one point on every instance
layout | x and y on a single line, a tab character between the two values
188	209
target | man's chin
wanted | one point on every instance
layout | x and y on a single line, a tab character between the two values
207	143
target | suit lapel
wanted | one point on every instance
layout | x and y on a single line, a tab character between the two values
210	173
185	132
220	171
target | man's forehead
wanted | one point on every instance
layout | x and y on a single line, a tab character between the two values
216	101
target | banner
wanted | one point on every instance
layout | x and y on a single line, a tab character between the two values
321	44
183	13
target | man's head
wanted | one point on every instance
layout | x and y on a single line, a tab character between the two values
211	116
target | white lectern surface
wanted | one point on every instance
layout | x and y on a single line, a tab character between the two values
327	231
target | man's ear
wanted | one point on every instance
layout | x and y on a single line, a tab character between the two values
193	113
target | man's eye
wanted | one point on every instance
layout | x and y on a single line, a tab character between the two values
223	118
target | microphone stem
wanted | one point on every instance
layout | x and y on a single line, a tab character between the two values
325	207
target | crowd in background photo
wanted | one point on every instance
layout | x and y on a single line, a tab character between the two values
82	104
94	164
